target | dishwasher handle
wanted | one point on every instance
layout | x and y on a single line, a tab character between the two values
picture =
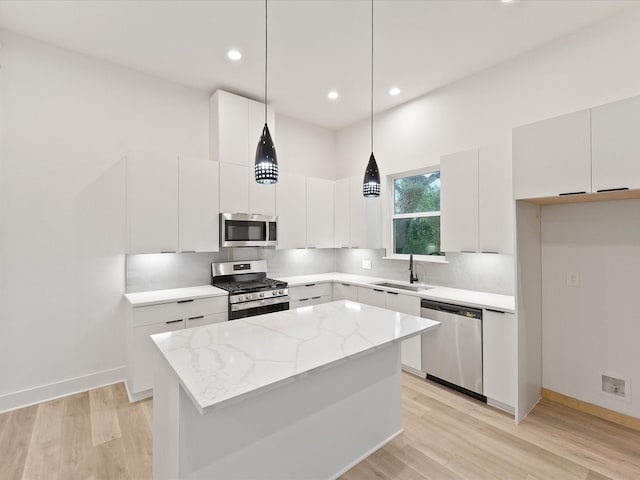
461	310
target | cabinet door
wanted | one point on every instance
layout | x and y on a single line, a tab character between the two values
499	360
344	291
319	300
304	302
615	144
199	205
152	203
459	202
372	296
291	209
319	213
553	157
411	348
234	188
200	320
141	365
256	124
374	221
495	199
357	213
229	127
341	213
262	198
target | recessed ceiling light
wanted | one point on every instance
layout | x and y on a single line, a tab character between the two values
507	1
234	55
332	95
394	91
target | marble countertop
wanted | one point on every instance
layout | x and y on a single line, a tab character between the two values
226	362
154	297
470	298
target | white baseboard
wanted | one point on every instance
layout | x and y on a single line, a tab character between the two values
32	396
136	397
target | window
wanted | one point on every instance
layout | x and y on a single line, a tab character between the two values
416	214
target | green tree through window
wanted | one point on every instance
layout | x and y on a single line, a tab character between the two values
416	214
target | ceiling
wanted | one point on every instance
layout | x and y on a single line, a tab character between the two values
314	45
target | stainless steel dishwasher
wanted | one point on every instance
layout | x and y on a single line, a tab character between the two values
452	354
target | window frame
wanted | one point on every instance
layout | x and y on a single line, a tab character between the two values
391	216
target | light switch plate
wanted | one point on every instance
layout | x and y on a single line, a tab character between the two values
573	279
366	264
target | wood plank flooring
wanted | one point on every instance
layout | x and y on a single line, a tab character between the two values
100	435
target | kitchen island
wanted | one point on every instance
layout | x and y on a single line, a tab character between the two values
299	394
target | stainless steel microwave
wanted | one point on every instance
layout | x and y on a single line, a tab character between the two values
246	230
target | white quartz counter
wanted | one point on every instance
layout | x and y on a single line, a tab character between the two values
154	297
470	298
226	362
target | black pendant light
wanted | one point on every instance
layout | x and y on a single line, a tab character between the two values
371	181
266	165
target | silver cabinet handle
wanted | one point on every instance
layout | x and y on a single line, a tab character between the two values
173	321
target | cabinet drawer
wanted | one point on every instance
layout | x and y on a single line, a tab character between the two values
201	320
166	312
310	290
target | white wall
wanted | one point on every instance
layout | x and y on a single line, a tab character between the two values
593	328
68	120
590	67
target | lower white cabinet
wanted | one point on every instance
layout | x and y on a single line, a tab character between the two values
499	361
409	304
160	318
309	294
344	291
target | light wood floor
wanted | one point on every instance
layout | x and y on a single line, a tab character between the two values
99	435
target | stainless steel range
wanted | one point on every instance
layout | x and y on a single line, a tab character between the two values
250	291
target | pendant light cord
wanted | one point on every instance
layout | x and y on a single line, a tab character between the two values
371	76
266	50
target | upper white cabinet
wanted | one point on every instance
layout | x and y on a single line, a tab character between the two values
152	203
319	213
499	358
553	157
459	202
262	197
475	201
198	205
341	214
495	200
615	143
234	188
235	125
357	213
291	208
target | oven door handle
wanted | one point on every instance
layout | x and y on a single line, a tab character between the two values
258	303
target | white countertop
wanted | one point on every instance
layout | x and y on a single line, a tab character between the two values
225	362
153	297
470	298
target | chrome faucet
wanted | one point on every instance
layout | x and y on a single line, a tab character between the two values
412	276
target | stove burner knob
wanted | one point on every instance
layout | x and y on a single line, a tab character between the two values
240	298
281	292
261	294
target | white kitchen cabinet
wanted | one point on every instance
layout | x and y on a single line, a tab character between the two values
375	297
152	202
262	197
615	145
357	214
148	320
499	360
311	291
341	215
235	126
198	205
459	202
319	213
234	188
142	354
411	348
291	209
476	201
200	320
553	157
374	221
409	304
495	198
344	291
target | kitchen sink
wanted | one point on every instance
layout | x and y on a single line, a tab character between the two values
403	286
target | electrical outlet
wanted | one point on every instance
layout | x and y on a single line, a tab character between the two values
366	264
616	387
573	279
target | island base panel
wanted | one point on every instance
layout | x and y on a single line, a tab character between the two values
315	427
